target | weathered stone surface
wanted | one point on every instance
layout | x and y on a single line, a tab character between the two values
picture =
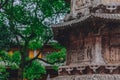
91	35
89	77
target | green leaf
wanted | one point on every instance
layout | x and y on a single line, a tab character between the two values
34	70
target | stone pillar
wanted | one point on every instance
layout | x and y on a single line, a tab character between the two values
98	59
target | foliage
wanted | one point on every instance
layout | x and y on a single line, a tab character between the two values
15	60
3	73
34	71
31	71
5	37
57	57
23	25
4	56
16	57
3	3
56	45
55	67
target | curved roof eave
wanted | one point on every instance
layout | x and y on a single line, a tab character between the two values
98	15
70	22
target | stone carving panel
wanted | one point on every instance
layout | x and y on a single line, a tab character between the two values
80	7
111	49
115	40
81	50
89	48
81	3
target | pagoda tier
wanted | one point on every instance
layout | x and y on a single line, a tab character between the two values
80	8
91	35
92	41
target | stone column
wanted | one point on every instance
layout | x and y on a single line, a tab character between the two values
98	59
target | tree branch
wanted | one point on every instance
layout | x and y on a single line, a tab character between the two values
45	61
41	51
52	63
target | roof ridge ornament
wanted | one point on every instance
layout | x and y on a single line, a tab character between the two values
80	7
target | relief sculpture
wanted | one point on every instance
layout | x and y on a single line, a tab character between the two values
111	47
81	3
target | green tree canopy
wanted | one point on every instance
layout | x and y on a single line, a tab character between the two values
22	25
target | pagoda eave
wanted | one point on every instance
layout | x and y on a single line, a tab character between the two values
103	16
86	20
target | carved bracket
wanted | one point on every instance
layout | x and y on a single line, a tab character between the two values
60	69
69	70
81	68
94	67
111	68
111	7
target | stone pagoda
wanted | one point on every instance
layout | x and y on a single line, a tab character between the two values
91	34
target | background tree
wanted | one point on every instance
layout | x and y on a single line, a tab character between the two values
3	2
23	25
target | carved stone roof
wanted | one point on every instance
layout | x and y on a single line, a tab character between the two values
84	9
92	15
71	22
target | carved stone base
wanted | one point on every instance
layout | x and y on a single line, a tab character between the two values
89	77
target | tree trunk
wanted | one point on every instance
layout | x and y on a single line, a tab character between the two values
22	63
20	74
21	68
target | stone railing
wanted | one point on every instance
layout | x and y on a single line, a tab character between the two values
89	69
